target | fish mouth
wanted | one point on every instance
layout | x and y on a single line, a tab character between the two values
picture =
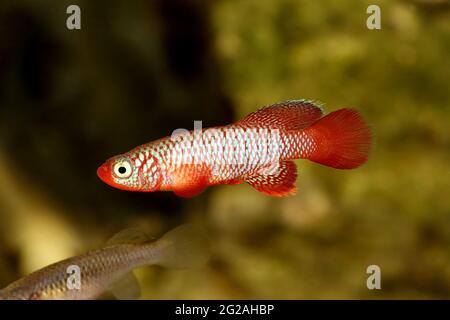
104	173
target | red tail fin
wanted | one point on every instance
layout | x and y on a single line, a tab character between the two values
343	140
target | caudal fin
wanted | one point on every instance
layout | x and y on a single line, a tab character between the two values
343	139
186	246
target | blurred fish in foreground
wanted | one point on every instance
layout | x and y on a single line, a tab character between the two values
110	268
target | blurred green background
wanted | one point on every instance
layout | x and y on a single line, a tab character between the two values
139	69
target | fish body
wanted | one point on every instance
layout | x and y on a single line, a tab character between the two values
258	149
100	269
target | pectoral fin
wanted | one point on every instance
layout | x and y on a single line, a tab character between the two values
126	288
275	179
190	180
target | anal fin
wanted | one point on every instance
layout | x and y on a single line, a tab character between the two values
275	179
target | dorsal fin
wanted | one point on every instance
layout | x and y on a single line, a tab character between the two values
288	115
129	236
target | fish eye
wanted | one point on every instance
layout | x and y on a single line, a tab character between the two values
122	169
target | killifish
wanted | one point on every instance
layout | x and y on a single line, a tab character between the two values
259	150
110	268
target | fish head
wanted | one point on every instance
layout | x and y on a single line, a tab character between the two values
132	171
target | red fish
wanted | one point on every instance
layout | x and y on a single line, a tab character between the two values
258	149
